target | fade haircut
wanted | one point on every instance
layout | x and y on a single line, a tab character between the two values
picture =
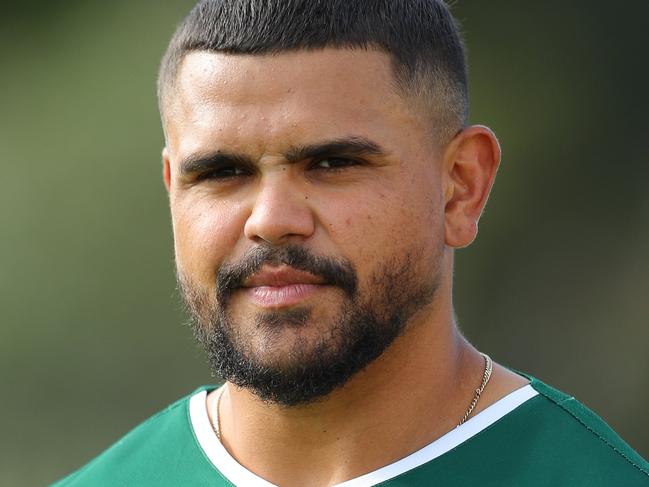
420	36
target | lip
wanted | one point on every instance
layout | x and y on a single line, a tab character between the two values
281	276
280	296
281	286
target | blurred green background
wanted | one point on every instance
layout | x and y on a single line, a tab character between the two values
92	335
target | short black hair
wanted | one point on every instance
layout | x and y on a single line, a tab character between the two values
421	37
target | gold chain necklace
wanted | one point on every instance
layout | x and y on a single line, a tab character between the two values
488	367
478	392
215	412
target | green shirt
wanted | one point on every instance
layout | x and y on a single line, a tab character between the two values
535	436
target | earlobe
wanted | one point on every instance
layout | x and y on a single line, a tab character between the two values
166	170
471	162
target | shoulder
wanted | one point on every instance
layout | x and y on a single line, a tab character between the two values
548	439
149	454
582	438
553	439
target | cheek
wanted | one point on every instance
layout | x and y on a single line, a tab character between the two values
386	224
205	233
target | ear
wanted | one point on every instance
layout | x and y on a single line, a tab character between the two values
470	163
166	170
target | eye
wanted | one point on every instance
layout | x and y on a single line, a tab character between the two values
225	172
334	163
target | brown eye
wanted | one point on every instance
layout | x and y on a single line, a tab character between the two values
225	172
334	163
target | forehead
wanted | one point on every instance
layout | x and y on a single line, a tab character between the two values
266	102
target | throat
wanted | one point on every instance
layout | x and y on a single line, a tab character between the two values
377	418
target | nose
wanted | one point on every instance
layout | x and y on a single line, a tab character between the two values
280	213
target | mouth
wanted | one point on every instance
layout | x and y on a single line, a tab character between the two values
274	287
281	286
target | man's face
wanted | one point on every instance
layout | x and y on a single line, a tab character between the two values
307	212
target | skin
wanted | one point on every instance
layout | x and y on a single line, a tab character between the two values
418	196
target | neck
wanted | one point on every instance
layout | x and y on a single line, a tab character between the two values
414	393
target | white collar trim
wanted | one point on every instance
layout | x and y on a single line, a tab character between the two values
241	476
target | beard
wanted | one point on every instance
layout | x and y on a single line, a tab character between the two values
354	335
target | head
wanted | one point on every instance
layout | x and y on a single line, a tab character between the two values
320	174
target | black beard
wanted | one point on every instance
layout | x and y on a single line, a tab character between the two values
364	328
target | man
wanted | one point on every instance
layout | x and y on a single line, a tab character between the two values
321	173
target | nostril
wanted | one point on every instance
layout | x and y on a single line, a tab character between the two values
279	224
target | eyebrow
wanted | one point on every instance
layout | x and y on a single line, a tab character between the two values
345	146
349	146
197	163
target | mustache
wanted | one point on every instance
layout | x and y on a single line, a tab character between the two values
334	271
